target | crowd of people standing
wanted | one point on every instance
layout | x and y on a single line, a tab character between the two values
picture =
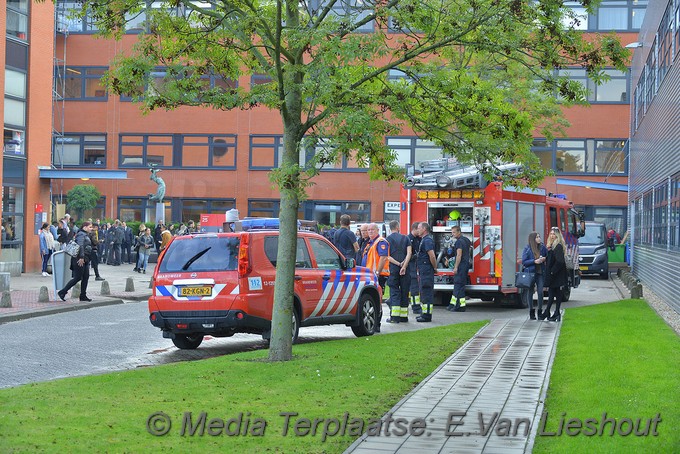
110	243
407	264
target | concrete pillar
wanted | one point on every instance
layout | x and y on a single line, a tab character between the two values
4	282
6	300
129	285
106	290
44	295
636	291
76	291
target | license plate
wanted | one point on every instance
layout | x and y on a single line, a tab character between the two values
195	291
583	268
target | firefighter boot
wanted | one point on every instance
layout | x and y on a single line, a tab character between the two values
395	314
403	316
415	305
532	314
460	305
426	315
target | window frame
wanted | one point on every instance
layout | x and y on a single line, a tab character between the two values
80	73
82	144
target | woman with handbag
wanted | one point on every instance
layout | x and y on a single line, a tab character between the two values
80	264
555	273
46	246
533	258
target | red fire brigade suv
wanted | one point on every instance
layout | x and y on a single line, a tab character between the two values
220	284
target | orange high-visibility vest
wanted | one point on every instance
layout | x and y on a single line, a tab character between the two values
372	257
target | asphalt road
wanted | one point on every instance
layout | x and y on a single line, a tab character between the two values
111	338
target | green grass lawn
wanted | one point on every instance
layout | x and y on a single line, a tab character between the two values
620	359
364	377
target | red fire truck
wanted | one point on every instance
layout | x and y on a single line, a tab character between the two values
496	219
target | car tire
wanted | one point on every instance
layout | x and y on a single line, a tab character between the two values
187	341
566	294
367	316
296	325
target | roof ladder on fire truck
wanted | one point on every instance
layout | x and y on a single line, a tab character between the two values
448	173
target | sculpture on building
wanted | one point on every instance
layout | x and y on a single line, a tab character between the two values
160	192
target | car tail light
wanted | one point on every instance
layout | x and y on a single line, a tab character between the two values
244	267
182	326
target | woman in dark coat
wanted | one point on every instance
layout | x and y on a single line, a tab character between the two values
80	265
533	260
556	273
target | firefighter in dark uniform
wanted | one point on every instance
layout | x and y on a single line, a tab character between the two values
427	266
399	280
413	269
460	269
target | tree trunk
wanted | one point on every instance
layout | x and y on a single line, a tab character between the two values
280	347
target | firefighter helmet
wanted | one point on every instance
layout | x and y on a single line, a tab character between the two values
454	215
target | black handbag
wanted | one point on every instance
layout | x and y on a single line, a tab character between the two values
524	279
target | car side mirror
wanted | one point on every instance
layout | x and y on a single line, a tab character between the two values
350	263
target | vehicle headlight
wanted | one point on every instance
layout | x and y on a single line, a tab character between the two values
600	251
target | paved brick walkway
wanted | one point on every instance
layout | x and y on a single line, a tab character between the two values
25	291
498	380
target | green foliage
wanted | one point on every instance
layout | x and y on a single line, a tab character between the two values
81	198
107	413
619	358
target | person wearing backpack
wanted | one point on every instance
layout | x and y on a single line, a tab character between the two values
80	265
460	269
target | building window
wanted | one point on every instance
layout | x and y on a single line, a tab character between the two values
674	212
660	214
620	15
80	150
178	150
269	208
647	218
84	83
17	19
260	79
70	19
98	212
351	10
265	152
615	90
15	112
412	150
13	143
13	202
328	212
583	156
143	150
192	209
142	210
208	151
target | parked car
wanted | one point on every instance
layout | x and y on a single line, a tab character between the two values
220	284
592	249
